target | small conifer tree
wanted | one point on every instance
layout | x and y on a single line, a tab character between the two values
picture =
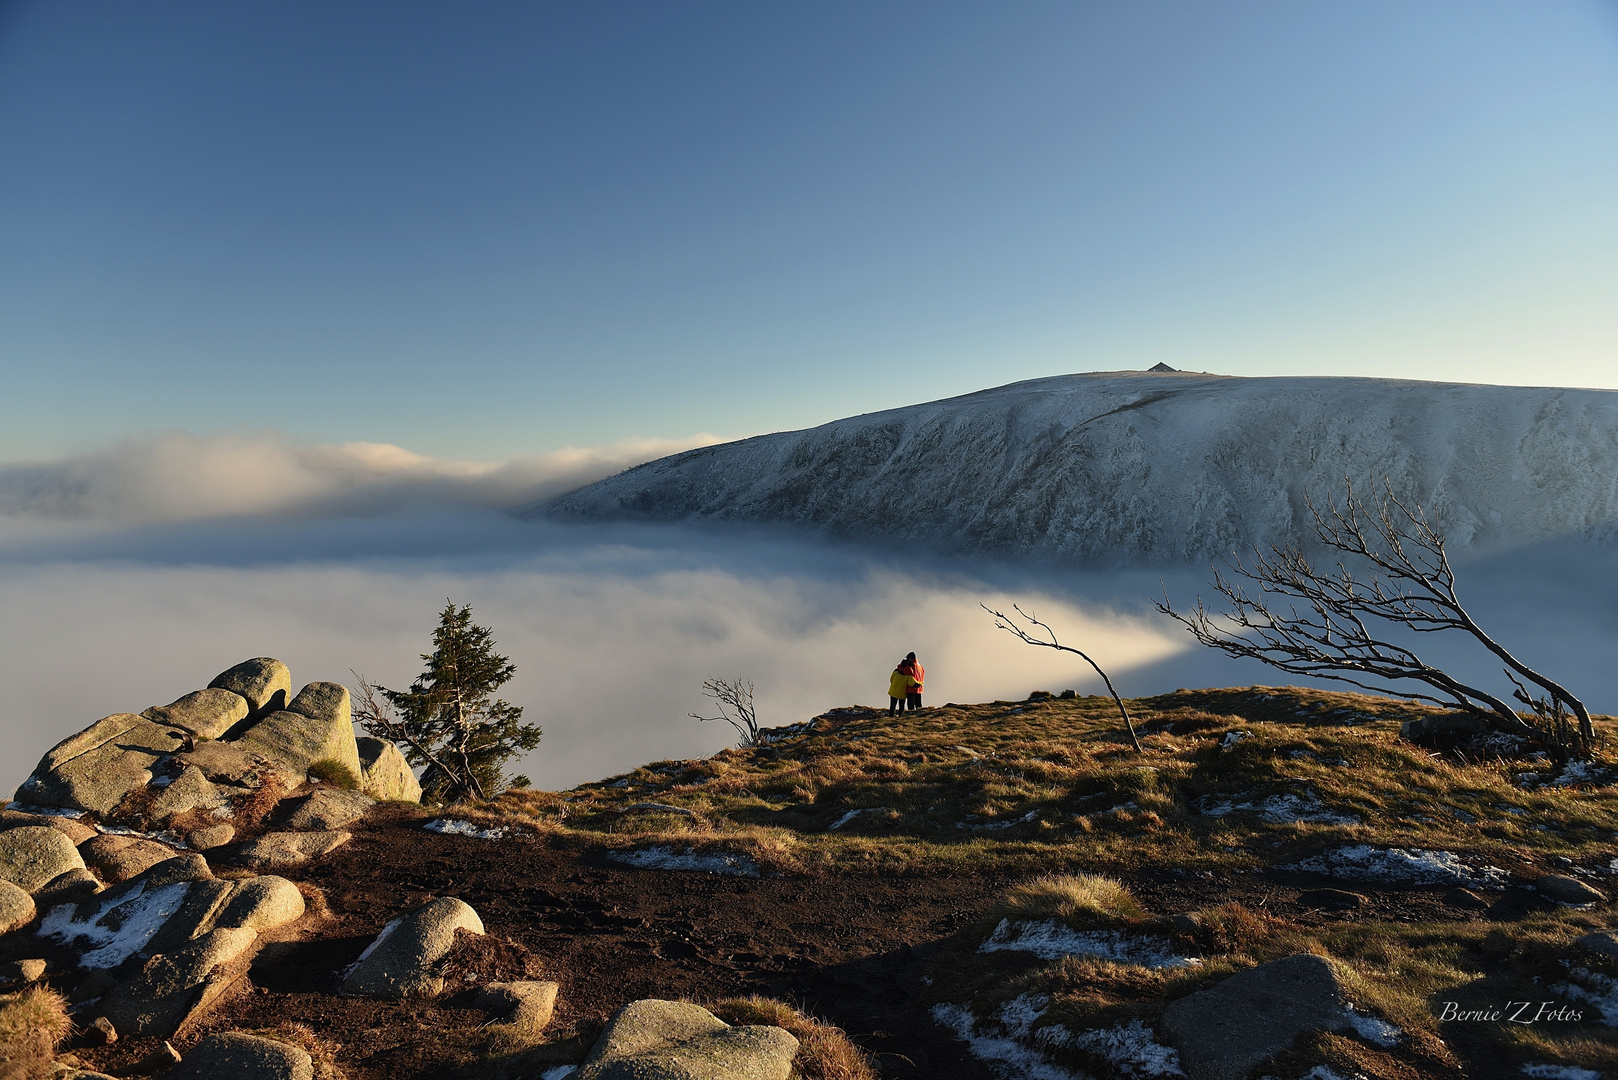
449	721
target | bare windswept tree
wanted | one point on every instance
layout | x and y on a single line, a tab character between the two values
1340	622
735	700
1040	634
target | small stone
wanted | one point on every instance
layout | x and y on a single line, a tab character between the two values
385	775
1187	922
1569	890
100	1032
16	907
119	858
207	714
211	837
1331	899
264	682
243	1057
21	971
32	855
73	887
399	962
330	808
274	851
1467	899
527	1003
1601	942
668	1039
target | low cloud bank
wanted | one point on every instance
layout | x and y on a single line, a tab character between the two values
180	477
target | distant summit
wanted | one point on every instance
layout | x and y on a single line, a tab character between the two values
1162	367
1129	467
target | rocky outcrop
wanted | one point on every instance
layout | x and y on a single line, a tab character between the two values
243	1057
675	1040
1222	1032
205	752
399	963
264	682
385	775
31	856
96	768
118	858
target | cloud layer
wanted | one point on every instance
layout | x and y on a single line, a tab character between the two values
179	477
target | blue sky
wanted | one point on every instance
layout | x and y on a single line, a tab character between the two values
489	230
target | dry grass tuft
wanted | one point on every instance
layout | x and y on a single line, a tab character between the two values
1082	901
33	1024
323	1051
824	1052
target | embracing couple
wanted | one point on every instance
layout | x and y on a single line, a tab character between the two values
904	687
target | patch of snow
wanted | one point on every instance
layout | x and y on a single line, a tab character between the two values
44	811
1374	1030
1019	1015
852	814
173	840
558	1072
1582	772
1232	738
113	931
1132	1049
161	781
1415	865
372	947
1560	1072
1008	1058
452	827
997	825
1326	1072
1283	810
1598	990
1051	940
712	862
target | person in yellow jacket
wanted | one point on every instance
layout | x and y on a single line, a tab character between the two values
899	683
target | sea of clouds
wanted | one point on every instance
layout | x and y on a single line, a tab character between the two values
132	574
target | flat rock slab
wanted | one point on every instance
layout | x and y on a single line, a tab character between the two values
16	907
73	887
675	1040
227	763
385	775
96	768
1601	942
30	856
206	839
399	962
1569	890
1222	1032
76	831
276	850
119	858
264	681
330	808
178	987
243	1057
207	714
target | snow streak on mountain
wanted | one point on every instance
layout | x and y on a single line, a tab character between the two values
1150	467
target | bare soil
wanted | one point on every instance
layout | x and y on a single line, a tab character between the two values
850	949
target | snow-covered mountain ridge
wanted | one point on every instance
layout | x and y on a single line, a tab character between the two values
1151	467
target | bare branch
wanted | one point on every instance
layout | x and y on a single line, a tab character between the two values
1046	638
1310	621
735	700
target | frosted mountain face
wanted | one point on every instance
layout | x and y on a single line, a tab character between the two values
1149	467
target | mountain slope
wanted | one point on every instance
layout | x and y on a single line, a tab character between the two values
1150	467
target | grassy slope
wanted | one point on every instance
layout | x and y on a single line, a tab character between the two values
1051	785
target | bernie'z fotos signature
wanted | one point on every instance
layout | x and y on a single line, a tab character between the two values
1513	1012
